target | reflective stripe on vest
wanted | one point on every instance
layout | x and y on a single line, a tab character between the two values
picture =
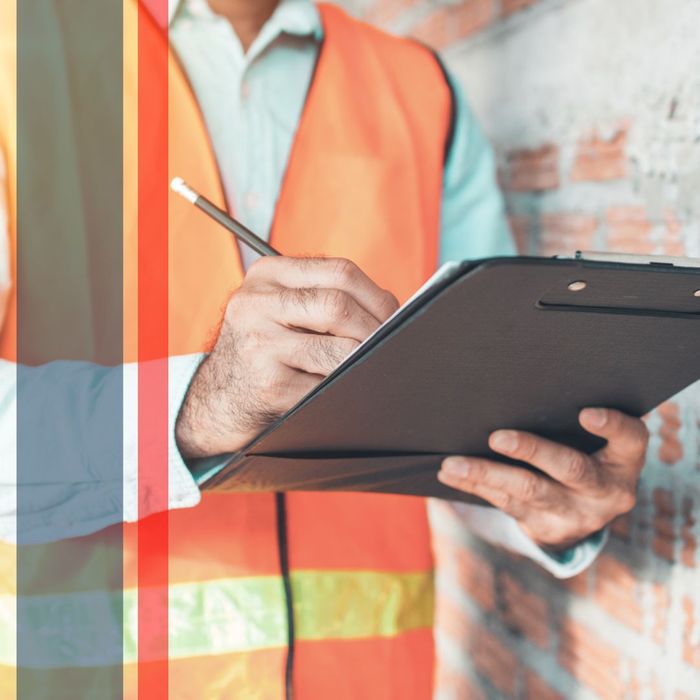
229	615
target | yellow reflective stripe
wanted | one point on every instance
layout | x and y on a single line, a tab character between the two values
238	614
351	605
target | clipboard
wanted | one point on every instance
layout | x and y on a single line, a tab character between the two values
521	343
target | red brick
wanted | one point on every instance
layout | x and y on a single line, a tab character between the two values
473	574
537	689
453	683
590	660
674	241
472	16
664	541
451	620
494	660
598	159
622	527
534	170
617	592
671	449
566	232
524	612
436	29
691	640
448	24
388	10
628	230
690	542
488	654
510	6
578	585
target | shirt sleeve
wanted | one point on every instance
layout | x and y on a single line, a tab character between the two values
94	487
474	225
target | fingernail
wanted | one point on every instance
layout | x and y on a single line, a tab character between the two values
505	440
457	467
595	417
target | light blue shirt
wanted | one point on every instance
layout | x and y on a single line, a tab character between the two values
252	103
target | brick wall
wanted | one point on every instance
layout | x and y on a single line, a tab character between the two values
594	109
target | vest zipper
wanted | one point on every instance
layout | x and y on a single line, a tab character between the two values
283	547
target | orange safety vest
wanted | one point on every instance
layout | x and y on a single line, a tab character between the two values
364	182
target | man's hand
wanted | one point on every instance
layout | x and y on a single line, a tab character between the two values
573	495
288	326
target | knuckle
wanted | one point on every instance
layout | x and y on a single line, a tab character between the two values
234	304
390	300
344	270
305	298
300	298
238	305
478	473
285	298
503	501
258	266
337	304
529	487
576	467
389	304
527	448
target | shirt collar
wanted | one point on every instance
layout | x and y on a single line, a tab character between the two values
299	17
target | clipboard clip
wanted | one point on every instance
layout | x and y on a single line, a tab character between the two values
635	259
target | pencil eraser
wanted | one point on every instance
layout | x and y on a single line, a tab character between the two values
180	186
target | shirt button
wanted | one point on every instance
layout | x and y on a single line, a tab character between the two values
245	90
251	201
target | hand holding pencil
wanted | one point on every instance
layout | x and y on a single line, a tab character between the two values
290	324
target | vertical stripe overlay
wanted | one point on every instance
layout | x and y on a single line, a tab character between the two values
69	342
152	302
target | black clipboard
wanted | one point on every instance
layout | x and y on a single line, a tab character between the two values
521	343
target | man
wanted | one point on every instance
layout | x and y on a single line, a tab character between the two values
380	163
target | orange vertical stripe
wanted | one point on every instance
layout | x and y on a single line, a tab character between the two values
152	354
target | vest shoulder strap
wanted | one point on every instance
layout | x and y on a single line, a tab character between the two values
415	71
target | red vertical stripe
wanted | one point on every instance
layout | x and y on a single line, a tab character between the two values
153	353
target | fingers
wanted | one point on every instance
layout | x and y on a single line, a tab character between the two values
313	354
628	437
511	489
321	311
565	465
326	273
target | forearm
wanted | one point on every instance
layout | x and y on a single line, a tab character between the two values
69	449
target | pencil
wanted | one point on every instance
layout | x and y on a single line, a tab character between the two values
241	232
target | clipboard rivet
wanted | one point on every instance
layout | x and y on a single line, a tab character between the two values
577	286
697	293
